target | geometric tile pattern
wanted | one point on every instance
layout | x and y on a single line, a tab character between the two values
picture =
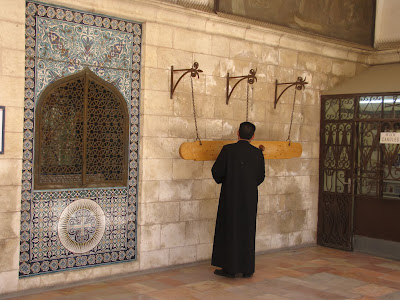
306	273
60	42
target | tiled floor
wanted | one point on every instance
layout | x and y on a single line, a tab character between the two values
306	273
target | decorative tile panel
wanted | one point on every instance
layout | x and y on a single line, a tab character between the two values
61	42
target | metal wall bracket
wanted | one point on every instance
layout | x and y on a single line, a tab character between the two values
300	85
194	71
250	80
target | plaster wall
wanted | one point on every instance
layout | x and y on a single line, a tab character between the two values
178	198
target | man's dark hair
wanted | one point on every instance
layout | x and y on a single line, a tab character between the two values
246	130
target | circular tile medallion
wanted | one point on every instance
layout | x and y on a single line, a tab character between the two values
81	225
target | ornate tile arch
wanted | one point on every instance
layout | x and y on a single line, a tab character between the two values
60	42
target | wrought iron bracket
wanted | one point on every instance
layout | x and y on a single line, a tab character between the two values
299	84
250	79
194	71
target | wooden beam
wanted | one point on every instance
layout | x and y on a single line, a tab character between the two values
209	150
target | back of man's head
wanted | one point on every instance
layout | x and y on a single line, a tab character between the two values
246	130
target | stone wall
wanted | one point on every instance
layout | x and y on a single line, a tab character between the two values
178	198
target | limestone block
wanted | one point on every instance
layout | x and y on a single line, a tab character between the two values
279	240
13	11
157	103
161	147
9	282
263	243
291	221
235	67
156	79
193	41
225	29
159	213
264	38
344	68
288	58
149	56
309	133
10	171
159	35
207	165
267	224
13	145
300	45
229	130
184	127
214	129
189	210
286	184
219	46
318	81
314	63
157	169
309	236
10	198
257	111
270	55
300	201
312	219
215	86
204	251
262	130
311	97
199	232
14	119
12	62
185	86
183	105
276	203
239	108
284	75
174	190
277	167
182	255
208	209
209	64
9	249
28	283
204	189
315	149
154	259
334	52
119	269
187	169
240	49
150	237
155	126
295	239
222	110
149	191
264	92
12	33
12	91
263	204
173	235
280	132
268	187
167	57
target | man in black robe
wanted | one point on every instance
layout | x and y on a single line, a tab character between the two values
240	168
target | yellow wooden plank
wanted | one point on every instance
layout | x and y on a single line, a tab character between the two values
209	150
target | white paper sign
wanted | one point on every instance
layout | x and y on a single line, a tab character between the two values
390	138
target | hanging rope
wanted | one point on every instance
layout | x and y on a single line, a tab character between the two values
194	112
291	119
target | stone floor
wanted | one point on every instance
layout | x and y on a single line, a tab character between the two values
305	273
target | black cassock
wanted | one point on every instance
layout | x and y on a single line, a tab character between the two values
240	168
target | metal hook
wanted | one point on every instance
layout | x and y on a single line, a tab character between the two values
299	85
194	71
251	78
